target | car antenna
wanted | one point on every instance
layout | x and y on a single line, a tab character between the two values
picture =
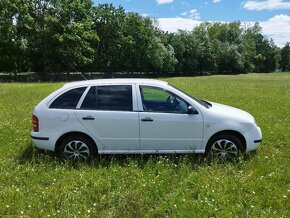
78	71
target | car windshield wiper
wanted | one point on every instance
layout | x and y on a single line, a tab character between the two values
206	103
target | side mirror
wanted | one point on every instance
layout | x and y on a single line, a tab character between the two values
191	110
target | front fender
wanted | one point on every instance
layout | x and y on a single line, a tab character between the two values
211	129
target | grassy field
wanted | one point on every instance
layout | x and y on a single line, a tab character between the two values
35	183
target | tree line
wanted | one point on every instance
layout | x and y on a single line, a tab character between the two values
55	36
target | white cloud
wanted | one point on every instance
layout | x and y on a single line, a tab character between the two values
173	24
277	27
266	5
216	1
159	2
145	15
193	14
185	3
185	13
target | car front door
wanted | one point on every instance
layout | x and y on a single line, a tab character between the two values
165	125
107	113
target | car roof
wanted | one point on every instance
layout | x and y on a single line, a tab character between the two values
116	81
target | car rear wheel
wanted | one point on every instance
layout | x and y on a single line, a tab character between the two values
226	147
77	148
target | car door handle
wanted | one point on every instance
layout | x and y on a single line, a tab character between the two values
88	118
147	119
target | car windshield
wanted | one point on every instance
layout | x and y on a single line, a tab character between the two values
201	102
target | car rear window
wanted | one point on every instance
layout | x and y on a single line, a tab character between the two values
69	99
113	98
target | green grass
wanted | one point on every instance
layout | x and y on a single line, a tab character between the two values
35	183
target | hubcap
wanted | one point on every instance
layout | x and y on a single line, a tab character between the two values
76	150
224	149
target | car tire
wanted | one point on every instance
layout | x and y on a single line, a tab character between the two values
77	148
224	146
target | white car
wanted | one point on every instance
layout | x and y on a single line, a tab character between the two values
125	116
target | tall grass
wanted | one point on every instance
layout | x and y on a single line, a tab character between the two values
35	183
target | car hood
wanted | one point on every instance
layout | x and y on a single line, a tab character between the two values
231	112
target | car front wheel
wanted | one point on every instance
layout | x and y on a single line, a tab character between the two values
224	147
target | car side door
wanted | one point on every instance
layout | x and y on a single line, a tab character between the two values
107	112
165	125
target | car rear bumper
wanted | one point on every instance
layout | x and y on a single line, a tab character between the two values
39	138
40	141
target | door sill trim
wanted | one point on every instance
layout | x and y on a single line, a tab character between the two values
150	151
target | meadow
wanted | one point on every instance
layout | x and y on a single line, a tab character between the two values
35	183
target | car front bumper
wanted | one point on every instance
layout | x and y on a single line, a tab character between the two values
253	138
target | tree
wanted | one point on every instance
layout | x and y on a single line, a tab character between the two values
61	35
138	33
184	44
249	38
203	49
108	22
285	57
159	57
170	60
267	56
54	36
228	50
13	45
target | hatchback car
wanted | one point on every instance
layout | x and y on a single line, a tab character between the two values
125	116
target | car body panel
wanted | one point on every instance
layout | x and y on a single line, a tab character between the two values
171	131
124	132
115	130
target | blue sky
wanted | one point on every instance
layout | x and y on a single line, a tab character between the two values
273	15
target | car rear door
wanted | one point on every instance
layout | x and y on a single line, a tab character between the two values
107	112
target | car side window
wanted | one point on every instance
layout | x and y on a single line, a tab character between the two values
112	98
69	99
158	100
